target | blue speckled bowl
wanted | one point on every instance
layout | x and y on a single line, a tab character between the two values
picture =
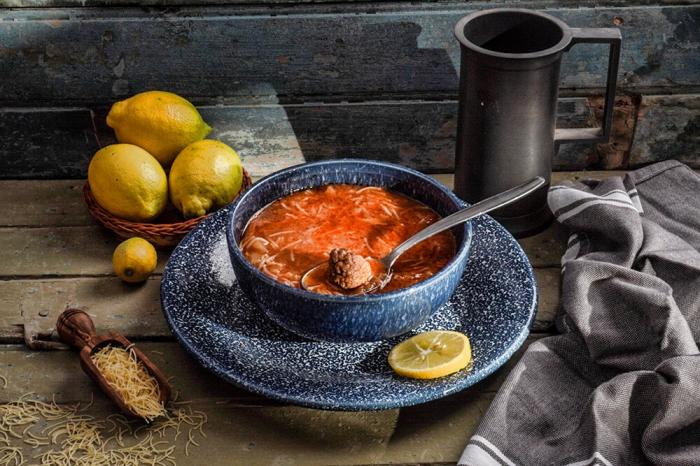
347	318
216	323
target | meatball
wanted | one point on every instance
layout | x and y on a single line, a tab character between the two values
347	269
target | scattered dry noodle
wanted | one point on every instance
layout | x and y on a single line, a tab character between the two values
75	439
11	456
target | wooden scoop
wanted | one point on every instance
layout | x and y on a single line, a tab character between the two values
75	327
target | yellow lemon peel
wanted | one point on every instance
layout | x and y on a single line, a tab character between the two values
206	175
134	260
161	122
128	182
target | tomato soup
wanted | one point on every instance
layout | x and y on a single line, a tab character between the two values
295	233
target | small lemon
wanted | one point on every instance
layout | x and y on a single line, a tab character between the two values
134	260
430	355
163	123
206	175
128	182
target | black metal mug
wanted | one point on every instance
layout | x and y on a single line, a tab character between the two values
509	85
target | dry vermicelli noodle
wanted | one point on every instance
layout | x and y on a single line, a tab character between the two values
11	456
139	390
69	437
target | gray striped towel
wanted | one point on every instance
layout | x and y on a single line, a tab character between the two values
621	384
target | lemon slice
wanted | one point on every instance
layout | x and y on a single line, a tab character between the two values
430	355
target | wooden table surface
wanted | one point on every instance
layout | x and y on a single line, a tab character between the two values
53	255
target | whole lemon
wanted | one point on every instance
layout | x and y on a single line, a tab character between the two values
134	260
163	123
206	175
128	182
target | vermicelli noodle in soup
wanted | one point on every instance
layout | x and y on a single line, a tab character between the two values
295	233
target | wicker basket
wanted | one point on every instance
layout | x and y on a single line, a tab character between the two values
169	230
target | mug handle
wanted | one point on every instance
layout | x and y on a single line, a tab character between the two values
612	37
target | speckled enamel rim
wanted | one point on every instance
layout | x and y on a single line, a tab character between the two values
431	391
461	252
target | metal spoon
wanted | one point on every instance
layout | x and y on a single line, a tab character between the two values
461	216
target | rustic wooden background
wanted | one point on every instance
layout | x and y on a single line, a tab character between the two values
287	81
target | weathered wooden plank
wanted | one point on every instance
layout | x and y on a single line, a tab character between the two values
417	134
132	310
668	127
42	246
610	155
59	202
54	142
242	429
59	251
268	137
558	177
43	203
545	249
135	310
96	55
548	298
248	3
87	250
193	382
71	253
247	429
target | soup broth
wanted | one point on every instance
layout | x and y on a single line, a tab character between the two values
295	233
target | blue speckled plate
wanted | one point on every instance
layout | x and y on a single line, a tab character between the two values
206	310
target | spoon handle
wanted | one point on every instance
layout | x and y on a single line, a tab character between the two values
461	216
